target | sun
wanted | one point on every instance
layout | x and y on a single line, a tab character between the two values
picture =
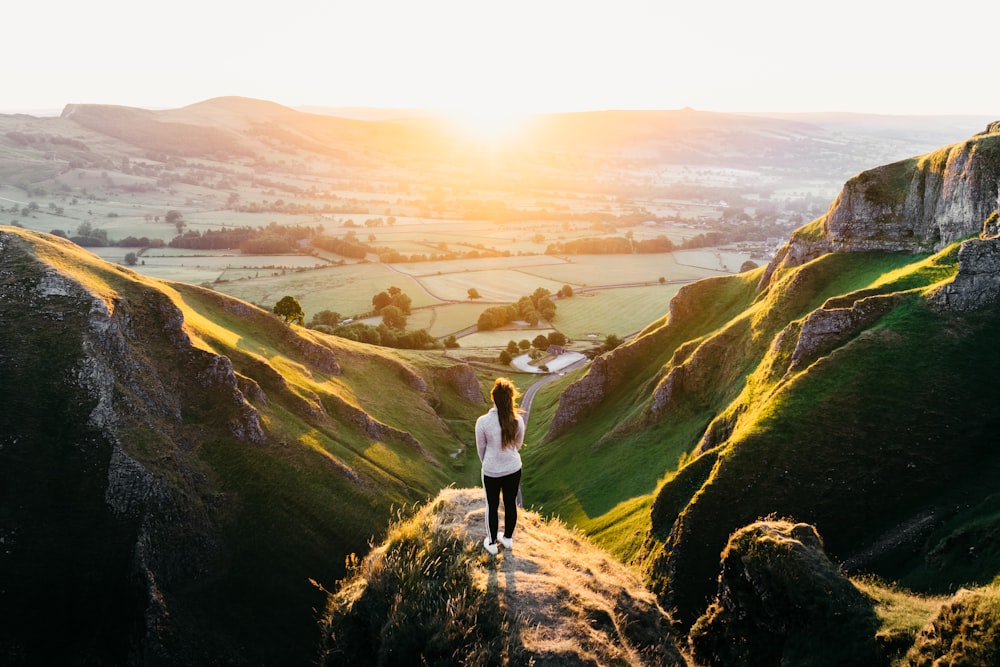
489	124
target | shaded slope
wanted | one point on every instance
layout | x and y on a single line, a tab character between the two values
189	462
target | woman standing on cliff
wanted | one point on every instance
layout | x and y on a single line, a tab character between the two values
499	436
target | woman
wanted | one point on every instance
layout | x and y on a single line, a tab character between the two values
499	436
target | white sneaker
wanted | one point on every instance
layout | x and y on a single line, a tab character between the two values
507	542
490	546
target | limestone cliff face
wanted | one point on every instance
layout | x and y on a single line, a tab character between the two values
916	205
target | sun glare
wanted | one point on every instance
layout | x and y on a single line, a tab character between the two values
487	124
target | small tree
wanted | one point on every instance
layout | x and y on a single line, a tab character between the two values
393	317
512	347
611	342
540	342
289	310
451	342
524	344
131	259
473	293
557	338
381	300
505	357
565	292
329	318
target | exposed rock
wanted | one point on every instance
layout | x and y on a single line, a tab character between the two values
315	354
977	283
129	485
463	380
916	205
605	374
782	601
826	328
374	429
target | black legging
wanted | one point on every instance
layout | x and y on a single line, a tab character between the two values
509	485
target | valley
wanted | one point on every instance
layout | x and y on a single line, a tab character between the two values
803	356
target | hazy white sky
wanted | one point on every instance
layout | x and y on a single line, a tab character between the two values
881	56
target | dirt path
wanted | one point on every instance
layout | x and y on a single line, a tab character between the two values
566	596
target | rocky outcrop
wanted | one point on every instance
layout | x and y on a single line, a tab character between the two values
917	205
977	283
463	380
828	327
781	600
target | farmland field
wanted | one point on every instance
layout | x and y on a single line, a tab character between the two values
484	263
621	312
347	289
498	338
493	285
597	270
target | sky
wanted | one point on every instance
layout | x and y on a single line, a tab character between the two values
495	58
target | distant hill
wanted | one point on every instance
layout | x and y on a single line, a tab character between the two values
787	147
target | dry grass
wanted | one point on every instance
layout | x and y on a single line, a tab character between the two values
569	597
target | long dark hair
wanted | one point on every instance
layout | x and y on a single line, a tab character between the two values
504	395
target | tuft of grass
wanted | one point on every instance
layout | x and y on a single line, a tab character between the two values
901	613
415	600
966	631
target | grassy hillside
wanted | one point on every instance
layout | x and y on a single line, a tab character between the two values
889	422
235	525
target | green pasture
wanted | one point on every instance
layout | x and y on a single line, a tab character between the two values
493	285
498	338
621	311
346	289
445	319
597	270
421	269
712	260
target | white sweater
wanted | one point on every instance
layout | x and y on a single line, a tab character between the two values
496	460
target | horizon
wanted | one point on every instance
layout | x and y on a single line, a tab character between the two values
486	62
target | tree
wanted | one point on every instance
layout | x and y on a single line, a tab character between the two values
289	310
474	293
451	342
611	342
381	300
557	338
540	342
401	301
131	259
524	344
328	317
392	317
512	347
505	357
748	265
565	292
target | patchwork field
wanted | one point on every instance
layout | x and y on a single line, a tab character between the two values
622	312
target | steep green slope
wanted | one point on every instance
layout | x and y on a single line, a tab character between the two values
189	462
847	385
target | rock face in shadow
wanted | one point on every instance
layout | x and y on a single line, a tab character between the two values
781	601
